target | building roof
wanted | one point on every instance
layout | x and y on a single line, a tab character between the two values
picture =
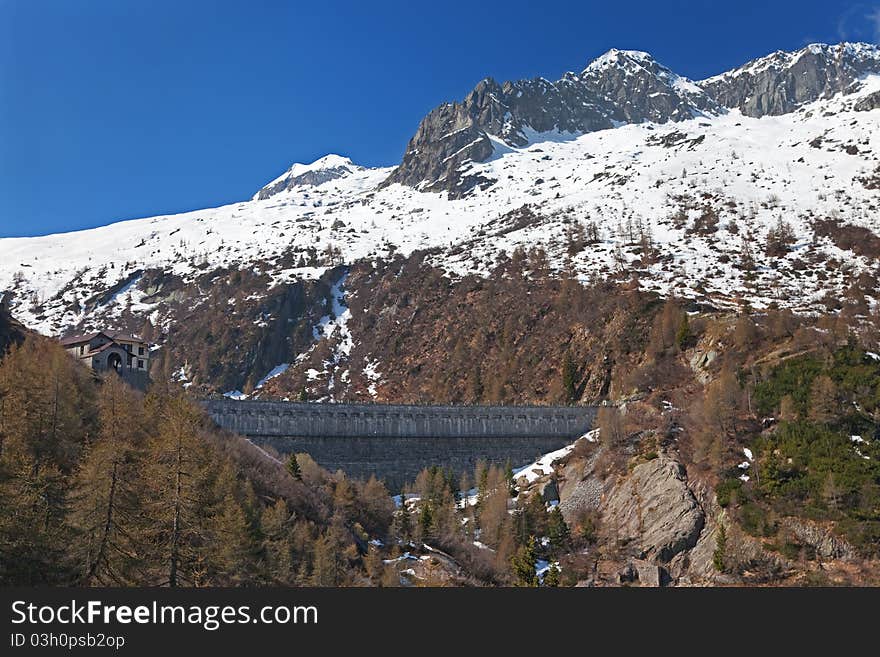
81	339
104	347
78	339
127	338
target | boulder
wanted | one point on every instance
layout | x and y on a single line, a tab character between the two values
653	512
869	102
648	574
549	491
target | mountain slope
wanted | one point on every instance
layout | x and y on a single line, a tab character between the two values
624	171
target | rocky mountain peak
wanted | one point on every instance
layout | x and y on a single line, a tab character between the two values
640	89
782	81
621	86
324	169
618	87
618	58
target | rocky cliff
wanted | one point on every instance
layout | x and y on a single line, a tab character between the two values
783	81
621	86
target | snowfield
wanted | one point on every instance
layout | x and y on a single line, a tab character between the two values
644	183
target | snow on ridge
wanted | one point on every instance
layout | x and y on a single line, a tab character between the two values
781	59
614	56
765	167
329	161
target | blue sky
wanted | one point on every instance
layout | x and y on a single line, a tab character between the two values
115	109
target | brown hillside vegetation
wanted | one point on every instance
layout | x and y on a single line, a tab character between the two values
101	485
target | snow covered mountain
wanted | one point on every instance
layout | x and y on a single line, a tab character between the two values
325	169
760	185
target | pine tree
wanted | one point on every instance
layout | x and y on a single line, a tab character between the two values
402	526
534	518
557	530
508	478
552	576
523	564
293	468
423	529
683	335
718	557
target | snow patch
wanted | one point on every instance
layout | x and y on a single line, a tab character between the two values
278	370
542	466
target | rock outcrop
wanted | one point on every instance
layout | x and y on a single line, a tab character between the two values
653	512
822	539
783	81
621	86
868	103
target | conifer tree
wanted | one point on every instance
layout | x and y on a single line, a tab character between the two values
508	478
276	522
107	489
552	576
374	566
233	553
43	394
293	468
402	526
719	556
523	564
823	400
377	508
177	474
683	335
557	530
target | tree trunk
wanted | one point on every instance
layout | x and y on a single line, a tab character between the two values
175	531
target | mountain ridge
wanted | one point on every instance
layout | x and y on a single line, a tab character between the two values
619	86
722	210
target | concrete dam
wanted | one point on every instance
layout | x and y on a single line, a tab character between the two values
395	442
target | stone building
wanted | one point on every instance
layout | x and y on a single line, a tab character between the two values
104	351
